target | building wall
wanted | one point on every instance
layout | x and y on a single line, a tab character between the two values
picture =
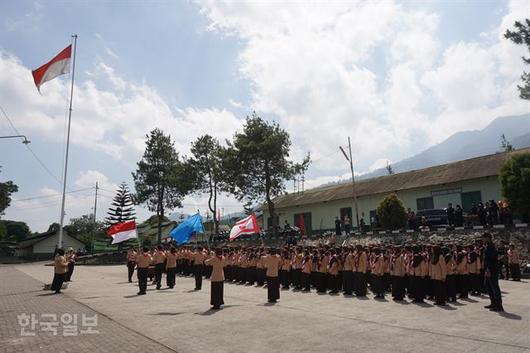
47	246
323	214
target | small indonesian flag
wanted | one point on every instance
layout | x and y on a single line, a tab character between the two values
248	225
122	232
55	67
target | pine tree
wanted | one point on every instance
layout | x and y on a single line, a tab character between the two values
122	208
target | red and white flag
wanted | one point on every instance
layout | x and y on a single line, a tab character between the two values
248	225
55	67
122	231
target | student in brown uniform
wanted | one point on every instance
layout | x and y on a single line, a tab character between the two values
171	267
285	269
307	265
333	270
437	272
143	259
378	271
360	268
322	274
131	263
217	279
450	277
347	272
70	257
416	281
159	260
397	272
60	269
272	263
198	267
462	273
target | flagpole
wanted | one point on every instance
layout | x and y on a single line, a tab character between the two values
74	44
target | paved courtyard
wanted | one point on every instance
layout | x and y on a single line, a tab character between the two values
179	320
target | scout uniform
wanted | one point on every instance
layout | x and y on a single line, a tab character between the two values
307	265
60	269
450	277
142	262
217	280
131	264
397	272
347	274
198	267
272	263
437	271
360	268
159	260
378	271
171	268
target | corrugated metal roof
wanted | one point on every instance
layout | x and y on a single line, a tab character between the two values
469	169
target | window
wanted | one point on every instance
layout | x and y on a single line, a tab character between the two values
424	203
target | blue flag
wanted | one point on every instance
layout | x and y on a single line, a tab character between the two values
183	232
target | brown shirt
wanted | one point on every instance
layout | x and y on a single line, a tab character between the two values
61	265
159	257
171	260
438	271
272	264
379	266
217	263
143	260
399	267
363	263
348	262
198	258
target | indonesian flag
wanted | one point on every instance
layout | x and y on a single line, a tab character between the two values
248	225
122	231
55	67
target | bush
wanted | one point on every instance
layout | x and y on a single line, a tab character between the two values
390	213
515	183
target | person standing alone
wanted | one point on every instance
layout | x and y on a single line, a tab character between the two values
60	269
491	275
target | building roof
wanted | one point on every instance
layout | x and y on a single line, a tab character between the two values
34	239
469	169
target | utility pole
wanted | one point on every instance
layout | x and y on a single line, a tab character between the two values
95	210
350	159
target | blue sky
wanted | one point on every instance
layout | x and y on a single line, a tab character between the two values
384	73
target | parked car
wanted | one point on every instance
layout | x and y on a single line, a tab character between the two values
435	217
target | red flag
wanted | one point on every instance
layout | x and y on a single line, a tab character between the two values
57	66
301	224
247	225
122	231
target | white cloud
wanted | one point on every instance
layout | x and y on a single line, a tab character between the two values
113	121
313	66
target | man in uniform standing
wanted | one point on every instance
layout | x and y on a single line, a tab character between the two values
491	274
159	260
198	264
60	269
131	263
272	263
143	260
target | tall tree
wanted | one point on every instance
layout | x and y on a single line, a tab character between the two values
6	189
257	163
521	35
85	229
207	164
16	231
515	183
122	208
161	179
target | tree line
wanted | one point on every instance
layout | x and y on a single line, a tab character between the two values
253	167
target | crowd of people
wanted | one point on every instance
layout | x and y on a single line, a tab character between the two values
417	271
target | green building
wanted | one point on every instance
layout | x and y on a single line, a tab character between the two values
460	183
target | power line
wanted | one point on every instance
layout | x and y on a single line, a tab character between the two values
49	196
43	165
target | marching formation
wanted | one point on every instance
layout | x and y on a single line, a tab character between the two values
418	272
